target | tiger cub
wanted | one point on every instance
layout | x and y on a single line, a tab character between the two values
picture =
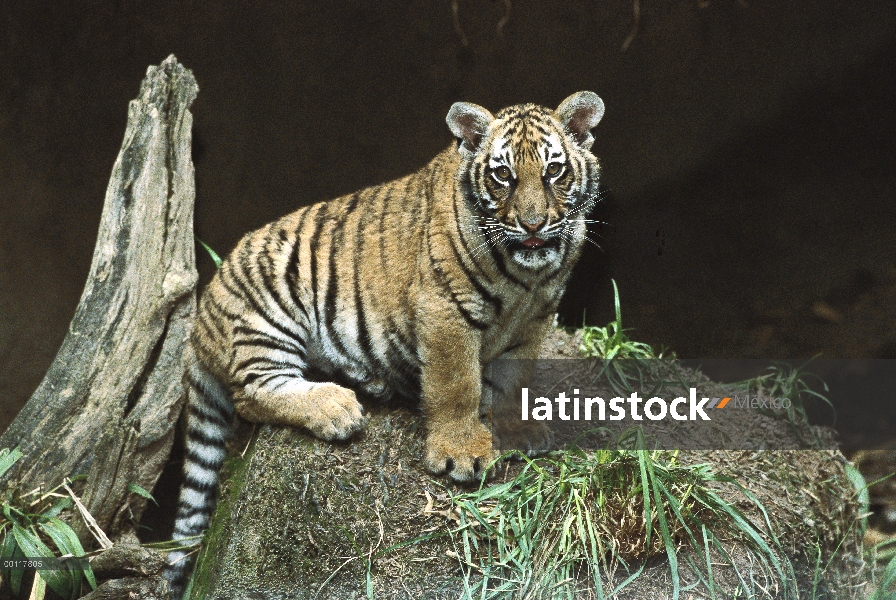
407	288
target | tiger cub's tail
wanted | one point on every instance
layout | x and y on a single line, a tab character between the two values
209	419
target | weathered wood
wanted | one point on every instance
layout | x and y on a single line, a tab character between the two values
127	560
131	588
109	476
109	402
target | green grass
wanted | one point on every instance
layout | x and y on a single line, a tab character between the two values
626	364
28	525
570	521
793	383
611	341
886	584
214	255
567	524
881	557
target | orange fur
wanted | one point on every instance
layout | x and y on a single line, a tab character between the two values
409	287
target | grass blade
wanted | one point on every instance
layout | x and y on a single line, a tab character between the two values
31	546
8	458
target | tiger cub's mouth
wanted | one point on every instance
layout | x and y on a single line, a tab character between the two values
534	243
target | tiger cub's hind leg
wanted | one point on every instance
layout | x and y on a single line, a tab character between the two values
327	410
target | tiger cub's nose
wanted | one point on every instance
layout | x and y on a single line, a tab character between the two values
533	225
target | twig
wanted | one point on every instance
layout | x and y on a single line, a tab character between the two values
185	556
505	18
251	437
460	32
634	32
92	525
332	575
44	497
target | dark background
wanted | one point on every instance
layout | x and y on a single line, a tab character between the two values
748	147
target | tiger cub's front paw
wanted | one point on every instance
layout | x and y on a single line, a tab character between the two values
333	412
532	438
463	452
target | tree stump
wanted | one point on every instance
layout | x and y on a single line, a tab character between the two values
109	402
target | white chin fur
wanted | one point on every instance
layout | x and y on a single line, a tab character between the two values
535	259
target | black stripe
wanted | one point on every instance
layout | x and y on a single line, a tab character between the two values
259	337
199	435
471	277
267	342
361	320
541	128
245	329
252	361
417	206
553	274
210	329
513	347
243	293
381	229
420	202
221	313
194	457
208	392
476	173
212	303
262	279
353	202
213	417
251	373
468	317
218	317
268	278
401	369
185	531
292	265
502	267
407	347
567	248
463	239
442	280
265	376
319	219
187	511
199	486
466	190
337	236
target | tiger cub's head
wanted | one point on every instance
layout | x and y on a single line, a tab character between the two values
529	175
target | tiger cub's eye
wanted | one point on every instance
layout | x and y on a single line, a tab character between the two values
554	168
503	173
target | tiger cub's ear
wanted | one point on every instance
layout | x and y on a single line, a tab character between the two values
579	113
468	122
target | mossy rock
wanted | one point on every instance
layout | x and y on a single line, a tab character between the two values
301	518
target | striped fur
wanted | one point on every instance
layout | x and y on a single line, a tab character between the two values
210	413
404	289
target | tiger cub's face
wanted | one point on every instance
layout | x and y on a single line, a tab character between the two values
529	175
